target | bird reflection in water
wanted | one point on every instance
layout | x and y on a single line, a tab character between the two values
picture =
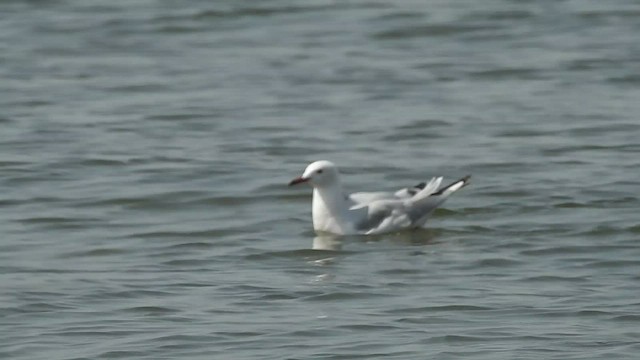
327	242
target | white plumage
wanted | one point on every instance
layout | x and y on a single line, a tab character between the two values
373	212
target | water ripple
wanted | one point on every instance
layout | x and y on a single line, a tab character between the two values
146	151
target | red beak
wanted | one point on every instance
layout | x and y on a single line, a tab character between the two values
297	180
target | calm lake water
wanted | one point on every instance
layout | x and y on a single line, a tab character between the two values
145	148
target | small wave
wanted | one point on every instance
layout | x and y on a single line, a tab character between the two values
279	296
61	222
306	254
344	295
497	262
503	15
36	307
631	79
132	294
508	74
523	133
435	30
210	233
600	14
194	245
255	12
555	278
94	253
151	310
634	229
424	124
368	327
457	339
189	263
571	205
558	250
122	354
613	264
634	318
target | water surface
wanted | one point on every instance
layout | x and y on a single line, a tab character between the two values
146	146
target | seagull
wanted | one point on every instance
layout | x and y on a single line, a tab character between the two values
366	213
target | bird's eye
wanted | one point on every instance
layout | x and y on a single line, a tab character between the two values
319	171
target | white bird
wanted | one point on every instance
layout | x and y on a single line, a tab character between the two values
335	212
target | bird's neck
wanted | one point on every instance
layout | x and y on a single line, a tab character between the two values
329	206
332	197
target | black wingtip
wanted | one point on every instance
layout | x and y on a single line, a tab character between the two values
465	182
421	185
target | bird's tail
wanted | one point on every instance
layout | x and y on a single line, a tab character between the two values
453	187
431	195
430	188
422	207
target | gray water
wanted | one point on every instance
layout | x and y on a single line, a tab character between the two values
145	148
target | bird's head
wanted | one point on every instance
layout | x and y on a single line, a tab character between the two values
318	174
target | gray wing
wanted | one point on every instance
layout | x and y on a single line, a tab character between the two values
386	214
383	216
374	217
410	191
364	198
369	197
419	211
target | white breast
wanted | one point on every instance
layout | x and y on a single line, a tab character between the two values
323	218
